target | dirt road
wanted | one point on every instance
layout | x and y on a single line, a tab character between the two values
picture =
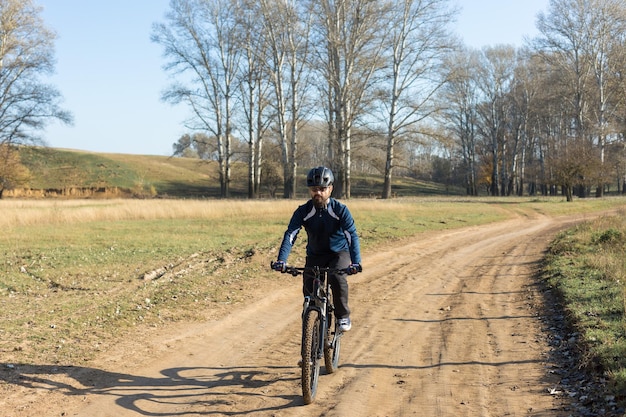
446	325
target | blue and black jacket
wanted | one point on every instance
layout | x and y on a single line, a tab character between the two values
329	230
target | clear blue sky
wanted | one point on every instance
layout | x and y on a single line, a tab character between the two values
111	76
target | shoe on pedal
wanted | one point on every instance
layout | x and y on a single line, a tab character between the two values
345	324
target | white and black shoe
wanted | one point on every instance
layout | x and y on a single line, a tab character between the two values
345	324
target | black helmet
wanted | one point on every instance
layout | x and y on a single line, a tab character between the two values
320	177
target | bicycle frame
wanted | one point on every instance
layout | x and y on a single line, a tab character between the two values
320	301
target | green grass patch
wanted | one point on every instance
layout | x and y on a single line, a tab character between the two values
142	175
587	265
52	168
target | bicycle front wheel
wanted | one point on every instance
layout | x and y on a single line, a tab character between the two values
310	360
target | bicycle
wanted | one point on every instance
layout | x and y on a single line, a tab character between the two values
321	336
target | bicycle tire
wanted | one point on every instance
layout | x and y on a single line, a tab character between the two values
331	350
310	360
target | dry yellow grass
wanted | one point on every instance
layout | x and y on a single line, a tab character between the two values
37	212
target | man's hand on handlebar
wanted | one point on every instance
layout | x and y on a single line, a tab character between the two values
279	266
354	268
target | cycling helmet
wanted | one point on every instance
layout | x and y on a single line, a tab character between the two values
320	177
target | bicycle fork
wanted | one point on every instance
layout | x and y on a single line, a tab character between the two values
323	340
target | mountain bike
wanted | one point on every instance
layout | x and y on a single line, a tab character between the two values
321	336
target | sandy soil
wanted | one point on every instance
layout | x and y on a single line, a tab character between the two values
446	325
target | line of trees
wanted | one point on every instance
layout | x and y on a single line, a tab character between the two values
373	86
548	117
372	83
264	71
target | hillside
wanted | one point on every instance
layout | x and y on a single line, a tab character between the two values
73	173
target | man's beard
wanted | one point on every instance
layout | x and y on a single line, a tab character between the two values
319	202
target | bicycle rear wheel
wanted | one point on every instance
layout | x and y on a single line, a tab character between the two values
310	360
331	349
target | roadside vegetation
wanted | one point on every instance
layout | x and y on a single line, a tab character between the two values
587	266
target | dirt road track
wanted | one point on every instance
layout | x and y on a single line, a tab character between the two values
446	325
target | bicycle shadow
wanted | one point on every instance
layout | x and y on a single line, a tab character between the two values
200	390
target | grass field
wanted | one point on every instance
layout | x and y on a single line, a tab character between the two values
77	274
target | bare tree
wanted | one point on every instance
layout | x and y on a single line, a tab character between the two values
561	44
605	25
552	123
286	25
418	43
459	101
200	41
255	91
26	54
495	78
525	98
27	104
350	36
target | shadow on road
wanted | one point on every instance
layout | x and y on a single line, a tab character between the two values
191	391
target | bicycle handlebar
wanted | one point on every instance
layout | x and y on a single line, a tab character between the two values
298	270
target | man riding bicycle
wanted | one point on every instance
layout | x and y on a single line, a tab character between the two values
333	241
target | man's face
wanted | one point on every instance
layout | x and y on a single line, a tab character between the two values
320	195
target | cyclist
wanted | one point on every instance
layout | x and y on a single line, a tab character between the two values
333	241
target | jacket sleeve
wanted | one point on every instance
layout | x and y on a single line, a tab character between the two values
291	234
349	230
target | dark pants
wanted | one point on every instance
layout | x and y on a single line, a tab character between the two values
338	281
